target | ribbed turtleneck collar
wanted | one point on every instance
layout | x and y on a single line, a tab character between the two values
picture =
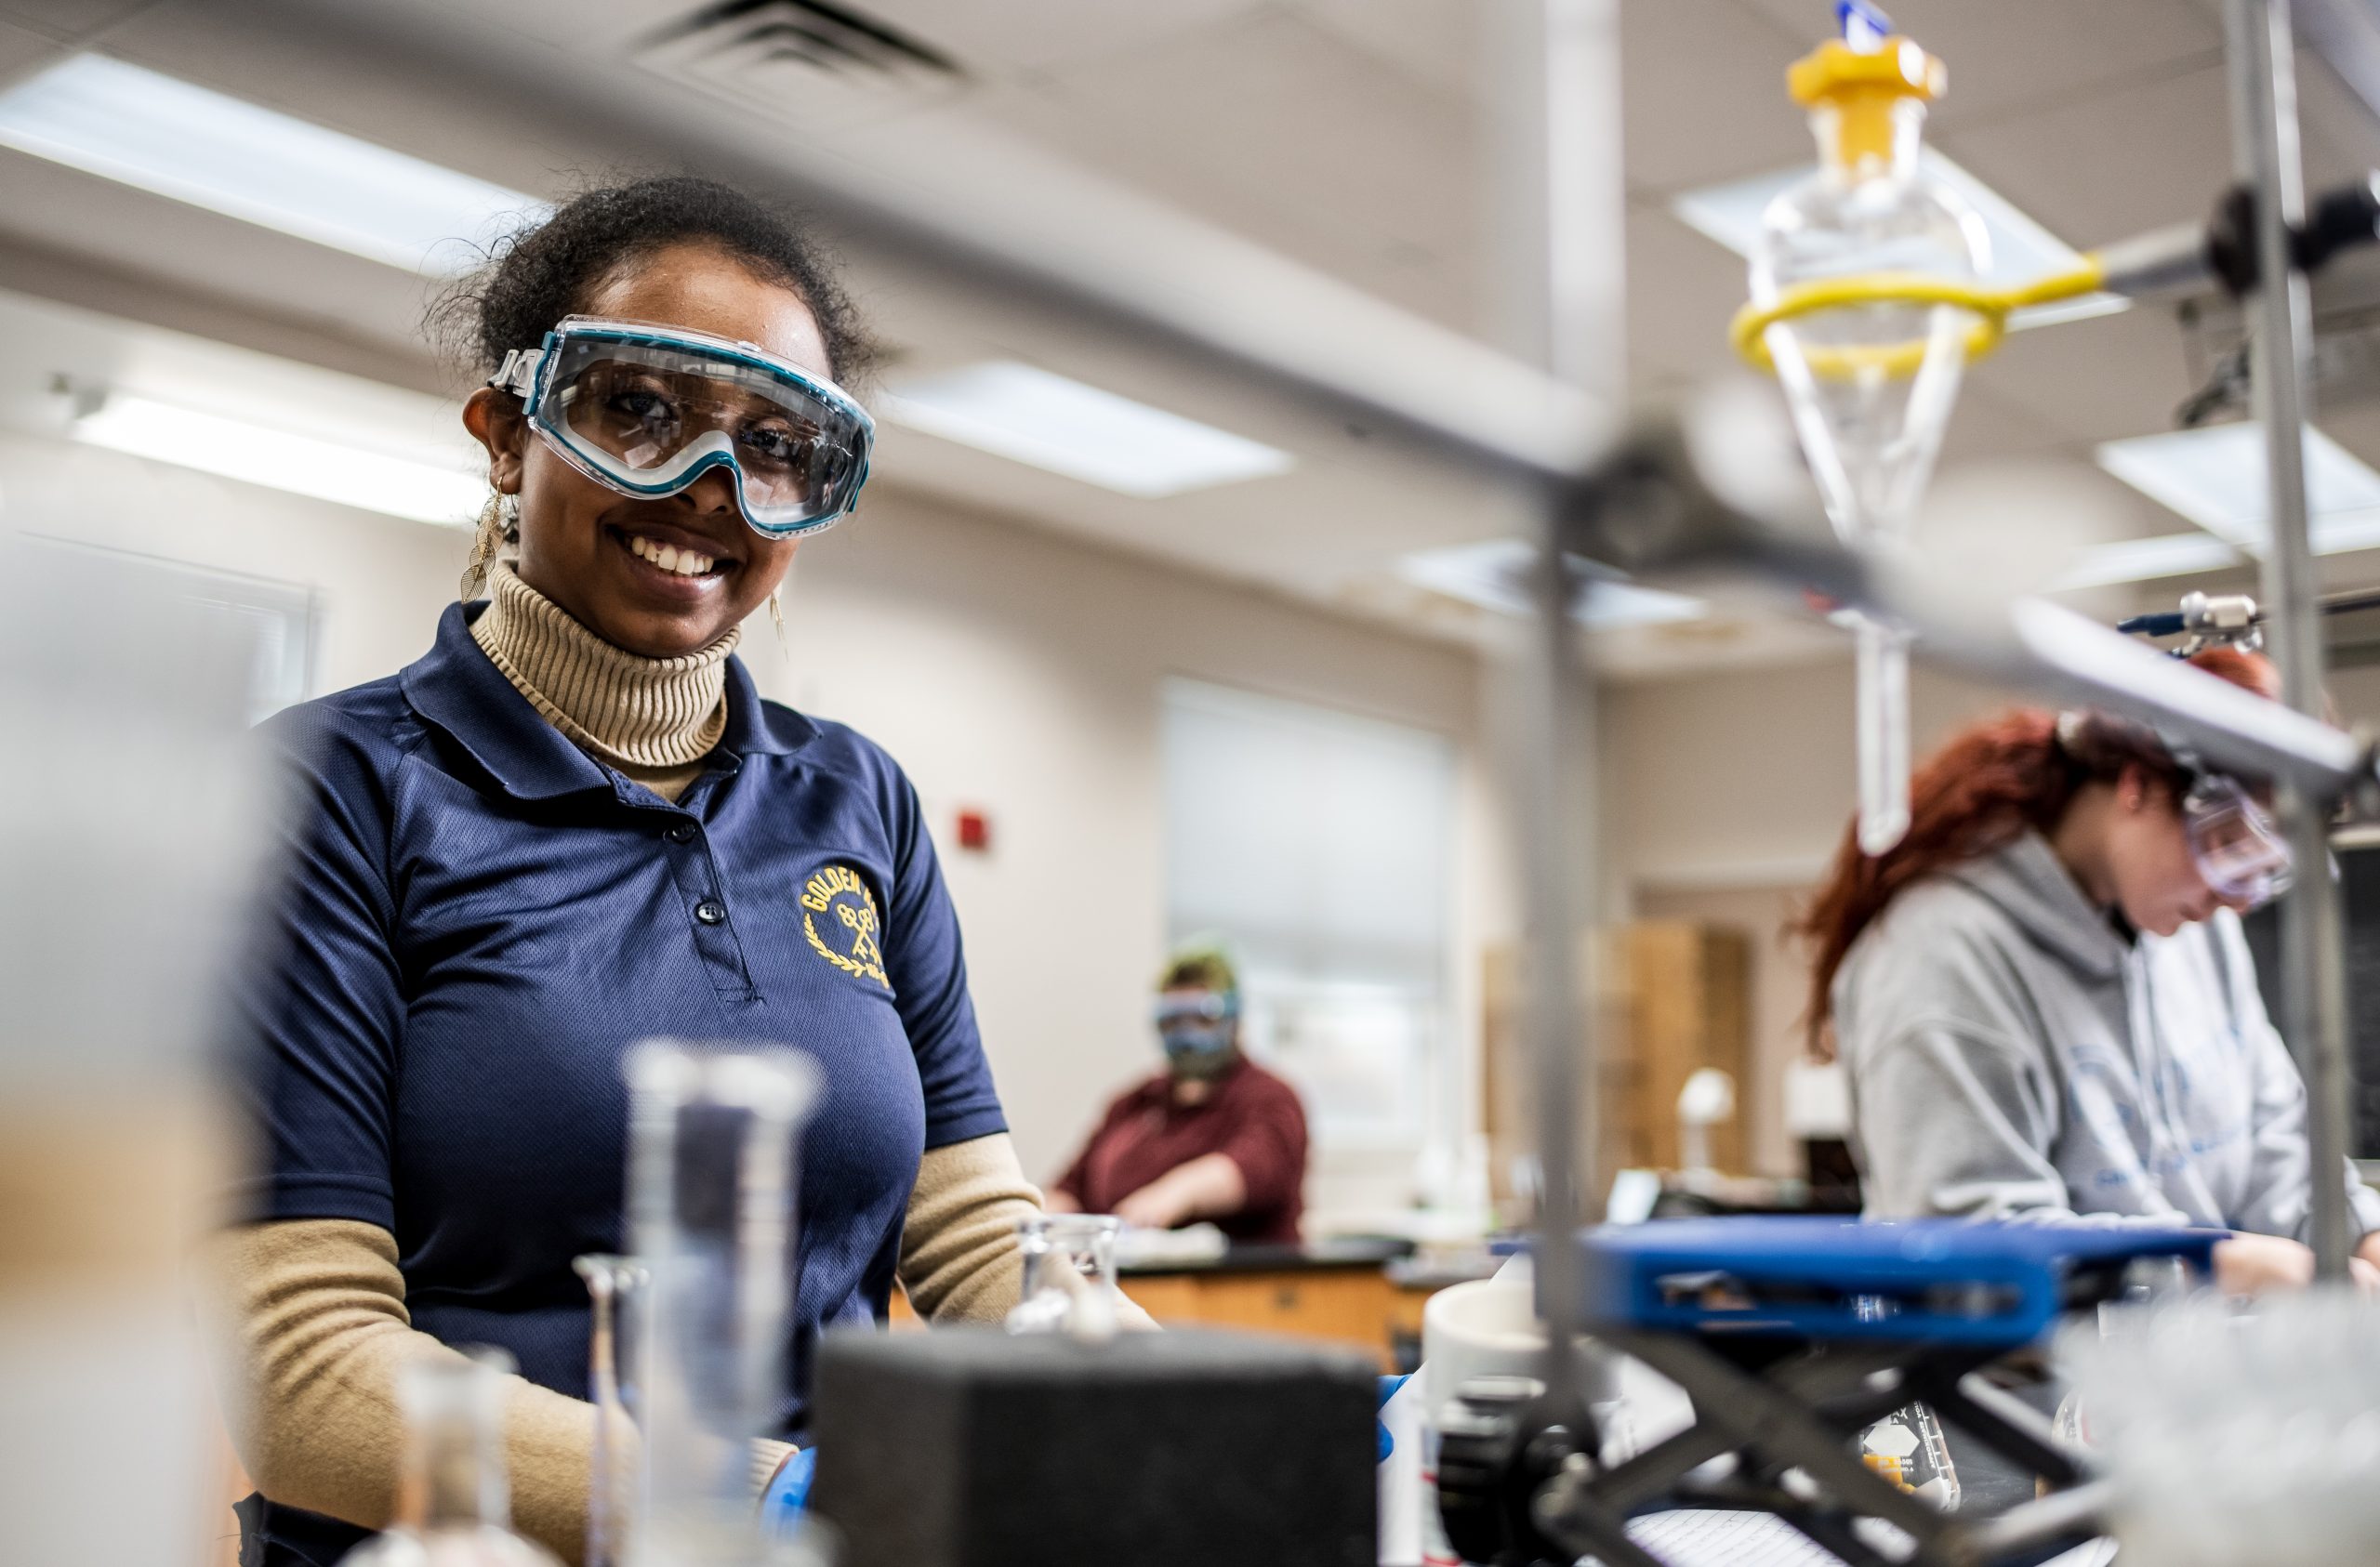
621	707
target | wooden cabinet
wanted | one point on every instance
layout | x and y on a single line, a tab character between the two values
1669	997
1356	1305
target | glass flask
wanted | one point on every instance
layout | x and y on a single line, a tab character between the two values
712	1135
613	1290
1871	385
1907	1447
1069	1275
454	1504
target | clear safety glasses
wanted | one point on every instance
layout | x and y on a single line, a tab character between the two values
2237	847
1187	1010
648	410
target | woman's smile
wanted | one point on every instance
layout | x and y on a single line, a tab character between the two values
673	565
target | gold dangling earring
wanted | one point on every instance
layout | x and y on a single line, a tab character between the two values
484	544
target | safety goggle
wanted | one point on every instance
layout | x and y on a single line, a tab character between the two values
1174	1011
648	410
2237	847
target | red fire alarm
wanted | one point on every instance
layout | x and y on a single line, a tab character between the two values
975	831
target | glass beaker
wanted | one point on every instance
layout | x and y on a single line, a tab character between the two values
1069	1283
711	1162
614	1286
453	1503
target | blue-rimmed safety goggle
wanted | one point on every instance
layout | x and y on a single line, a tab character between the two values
647	410
1212	1006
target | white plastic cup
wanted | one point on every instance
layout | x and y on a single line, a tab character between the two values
1487	1327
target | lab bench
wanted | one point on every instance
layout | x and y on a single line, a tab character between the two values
1359	1292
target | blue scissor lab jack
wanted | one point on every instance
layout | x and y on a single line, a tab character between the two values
1791	1335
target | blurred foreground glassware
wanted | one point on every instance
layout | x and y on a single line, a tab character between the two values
1069	1275
614	1286
124	906
2237	1437
455	1503
712	1160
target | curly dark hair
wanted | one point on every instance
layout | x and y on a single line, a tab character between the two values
550	269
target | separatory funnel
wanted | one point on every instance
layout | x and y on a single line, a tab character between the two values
1864	283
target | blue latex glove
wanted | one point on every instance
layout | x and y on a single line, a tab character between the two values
789	1491
1388	1388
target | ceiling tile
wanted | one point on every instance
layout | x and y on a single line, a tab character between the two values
2094	380
1704	93
1436	40
70	18
2356	426
2013	55
1289	134
2341	134
2114	165
22	53
1681	291
59	209
1038	35
1988	426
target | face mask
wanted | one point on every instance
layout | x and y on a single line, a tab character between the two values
1200	1033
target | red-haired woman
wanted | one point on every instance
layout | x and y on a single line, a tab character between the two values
2046	1007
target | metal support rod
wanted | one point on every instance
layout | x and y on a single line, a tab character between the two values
1685	498
1557	1023
2261	57
1564	61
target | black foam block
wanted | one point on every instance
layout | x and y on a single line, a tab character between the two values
970	1448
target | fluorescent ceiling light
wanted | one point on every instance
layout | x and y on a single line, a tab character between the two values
2168	554
1493	574
166	136
279	459
2216	478
1032	416
2022	251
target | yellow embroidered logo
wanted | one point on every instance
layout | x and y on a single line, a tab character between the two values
839	899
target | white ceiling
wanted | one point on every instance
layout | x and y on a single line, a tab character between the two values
1344	137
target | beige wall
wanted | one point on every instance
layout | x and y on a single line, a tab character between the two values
1008	669
1019	673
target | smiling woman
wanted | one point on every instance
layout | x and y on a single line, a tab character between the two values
573	825
595	441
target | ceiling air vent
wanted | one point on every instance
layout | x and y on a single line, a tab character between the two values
800	59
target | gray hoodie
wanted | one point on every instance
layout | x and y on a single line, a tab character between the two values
2011	1054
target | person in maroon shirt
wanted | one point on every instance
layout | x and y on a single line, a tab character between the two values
1213	1136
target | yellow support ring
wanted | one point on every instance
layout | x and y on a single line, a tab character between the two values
1990	307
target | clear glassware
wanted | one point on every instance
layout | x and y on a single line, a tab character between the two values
1870	385
454	1505
1069	1275
613	1288
711	1161
1908	1448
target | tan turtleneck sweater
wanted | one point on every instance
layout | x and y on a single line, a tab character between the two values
314	1309
654	720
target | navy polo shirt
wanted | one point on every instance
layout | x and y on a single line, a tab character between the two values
481	919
